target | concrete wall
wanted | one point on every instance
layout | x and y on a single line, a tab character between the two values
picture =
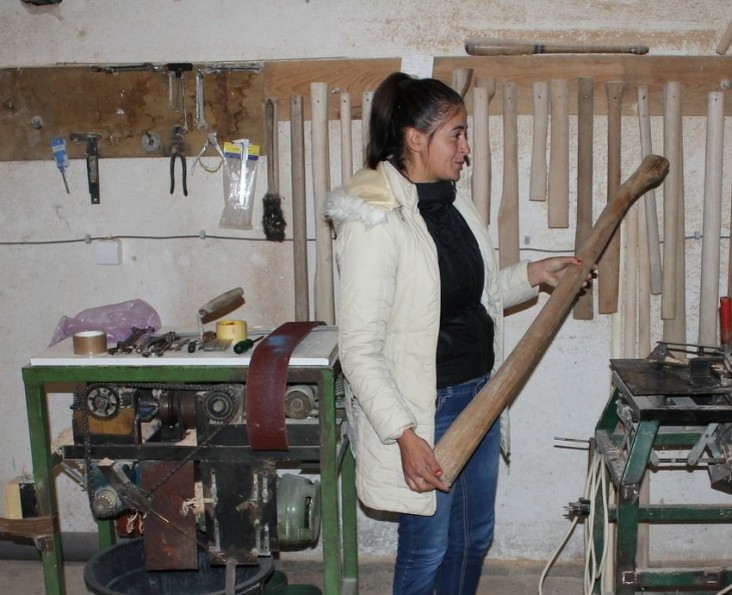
41	283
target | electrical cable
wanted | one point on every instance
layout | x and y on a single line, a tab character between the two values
89	239
596	480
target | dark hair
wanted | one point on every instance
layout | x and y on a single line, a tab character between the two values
400	102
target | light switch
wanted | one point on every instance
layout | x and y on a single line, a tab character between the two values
108	251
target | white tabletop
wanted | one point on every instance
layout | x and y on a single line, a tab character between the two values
318	349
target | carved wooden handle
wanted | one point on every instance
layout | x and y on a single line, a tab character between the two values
466	432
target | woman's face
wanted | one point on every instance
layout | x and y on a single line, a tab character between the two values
440	156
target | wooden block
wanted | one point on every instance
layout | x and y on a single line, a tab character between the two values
20	498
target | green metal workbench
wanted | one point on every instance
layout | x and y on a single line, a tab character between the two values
336	465
634	424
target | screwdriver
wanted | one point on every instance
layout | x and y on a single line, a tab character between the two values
58	146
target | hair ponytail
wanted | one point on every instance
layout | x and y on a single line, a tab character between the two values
401	102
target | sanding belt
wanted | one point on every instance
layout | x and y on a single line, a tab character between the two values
267	383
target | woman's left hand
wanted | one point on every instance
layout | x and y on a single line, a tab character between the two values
550	270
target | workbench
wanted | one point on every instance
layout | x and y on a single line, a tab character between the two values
656	406
314	361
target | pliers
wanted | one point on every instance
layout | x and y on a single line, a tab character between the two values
178	150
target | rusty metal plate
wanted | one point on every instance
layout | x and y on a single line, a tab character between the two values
169	545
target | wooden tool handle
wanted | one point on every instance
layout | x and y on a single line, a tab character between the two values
609	267
537	179
584	309
270	121
485	46
346	139
672	189
558	190
649	200
485	90
508	211
481	153
712	223
324	298
299	214
466	432
725	40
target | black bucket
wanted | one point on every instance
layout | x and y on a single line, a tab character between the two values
120	570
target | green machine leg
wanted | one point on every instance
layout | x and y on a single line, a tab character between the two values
40	439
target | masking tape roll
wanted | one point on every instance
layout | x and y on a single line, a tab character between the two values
90	342
233	330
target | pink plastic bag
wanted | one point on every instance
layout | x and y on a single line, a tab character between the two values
116	320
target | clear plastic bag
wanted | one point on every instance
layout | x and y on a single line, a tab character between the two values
240	172
116	320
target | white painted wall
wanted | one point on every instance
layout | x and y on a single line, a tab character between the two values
41	283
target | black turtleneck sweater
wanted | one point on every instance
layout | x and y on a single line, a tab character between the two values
465	342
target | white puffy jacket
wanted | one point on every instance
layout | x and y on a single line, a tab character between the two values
388	322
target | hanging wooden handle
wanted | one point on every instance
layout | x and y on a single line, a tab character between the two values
299	209
508	211
712	223
672	191
558	185
466	432
608	283
584	308
537	178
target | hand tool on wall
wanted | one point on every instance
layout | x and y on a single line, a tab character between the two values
462	437
630	289
537	180
92	161
461	79
725	41
211	141
508	212
649	200
609	265
346	139
299	210
483	92
273	221
366	100
200	116
674	328
177	88
58	146
584	308
671	196
712	220
558	185
324	303
177	151
486	46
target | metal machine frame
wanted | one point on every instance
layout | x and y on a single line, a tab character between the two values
333	456
656	423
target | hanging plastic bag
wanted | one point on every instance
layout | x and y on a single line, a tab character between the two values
117	320
240	172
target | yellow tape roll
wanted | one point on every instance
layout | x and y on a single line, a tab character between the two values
90	342
233	330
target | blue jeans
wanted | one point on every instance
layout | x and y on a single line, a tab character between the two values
444	553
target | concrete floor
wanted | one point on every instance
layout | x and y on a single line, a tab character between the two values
25	577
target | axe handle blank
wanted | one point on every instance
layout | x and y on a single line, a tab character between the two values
481	46
466	432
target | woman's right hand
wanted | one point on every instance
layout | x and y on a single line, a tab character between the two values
421	470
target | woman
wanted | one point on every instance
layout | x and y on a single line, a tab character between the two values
421	328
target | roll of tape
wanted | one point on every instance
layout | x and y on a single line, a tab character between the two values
233	330
90	342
